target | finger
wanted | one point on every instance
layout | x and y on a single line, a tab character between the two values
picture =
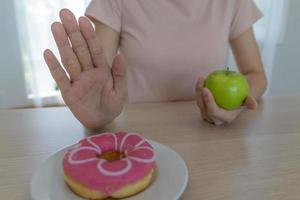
200	84
67	54
199	99
212	108
218	115
251	103
202	109
119	73
57	71
79	44
94	44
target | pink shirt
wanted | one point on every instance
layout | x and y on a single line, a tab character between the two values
168	44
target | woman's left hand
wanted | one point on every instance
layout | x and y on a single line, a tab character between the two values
211	112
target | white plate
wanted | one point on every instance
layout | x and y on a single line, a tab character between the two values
169	182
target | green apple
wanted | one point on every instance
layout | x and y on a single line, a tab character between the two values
229	88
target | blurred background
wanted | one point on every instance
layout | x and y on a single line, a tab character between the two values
25	32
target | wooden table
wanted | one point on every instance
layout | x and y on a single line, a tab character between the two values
256	158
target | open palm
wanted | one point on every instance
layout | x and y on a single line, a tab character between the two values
94	91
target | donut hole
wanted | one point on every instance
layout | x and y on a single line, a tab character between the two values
111	156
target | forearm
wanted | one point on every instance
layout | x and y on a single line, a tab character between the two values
257	83
109	40
248	59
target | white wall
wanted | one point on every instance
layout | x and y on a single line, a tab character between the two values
285	75
286	69
12	88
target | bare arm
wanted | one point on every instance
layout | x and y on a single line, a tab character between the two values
109	39
248	59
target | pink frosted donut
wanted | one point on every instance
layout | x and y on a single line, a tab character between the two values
92	171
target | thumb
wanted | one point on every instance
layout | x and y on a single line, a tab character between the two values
250	103
199	84
119	73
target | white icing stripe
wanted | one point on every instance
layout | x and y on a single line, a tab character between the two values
103	134
148	148
114	173
123	141
125	138
115	138
142	160
76	162
140	142
89	140
129	158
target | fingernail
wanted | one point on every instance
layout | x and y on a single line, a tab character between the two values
67	14
47	53
81	19
56	27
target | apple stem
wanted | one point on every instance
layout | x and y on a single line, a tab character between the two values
227	70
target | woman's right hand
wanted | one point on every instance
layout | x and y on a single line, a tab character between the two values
94	91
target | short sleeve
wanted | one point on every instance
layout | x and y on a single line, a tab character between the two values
245	15
108	12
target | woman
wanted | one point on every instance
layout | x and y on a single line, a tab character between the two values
169	46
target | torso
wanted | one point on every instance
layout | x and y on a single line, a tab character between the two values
169	44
